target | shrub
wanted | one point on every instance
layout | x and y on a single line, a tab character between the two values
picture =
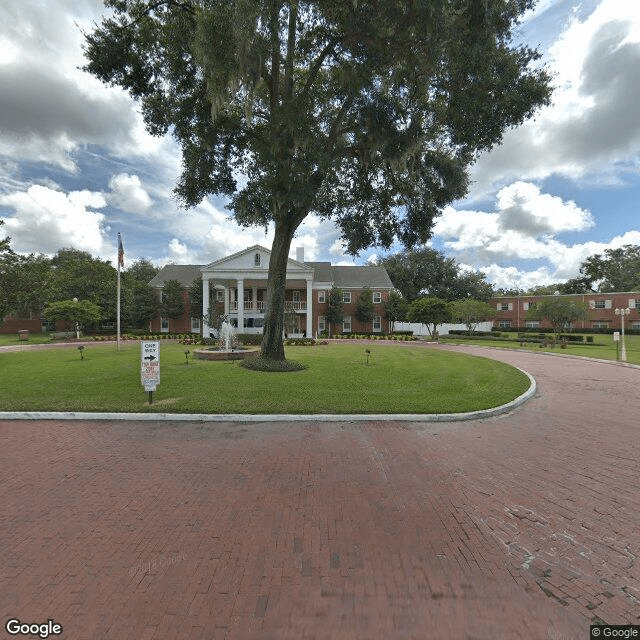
300	342
258	363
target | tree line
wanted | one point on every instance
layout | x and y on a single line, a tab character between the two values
425	280
74	286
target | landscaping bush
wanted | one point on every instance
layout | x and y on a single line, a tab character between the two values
571	337
464	332
249	339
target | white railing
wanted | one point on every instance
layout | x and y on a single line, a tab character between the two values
261	306
295	306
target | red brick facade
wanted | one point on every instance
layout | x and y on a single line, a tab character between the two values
512	311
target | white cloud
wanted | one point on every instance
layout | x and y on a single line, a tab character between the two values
512	277
48	106
179	253
128	194
524	227
522	207
45	219
592	125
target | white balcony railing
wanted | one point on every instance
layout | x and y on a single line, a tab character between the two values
261	306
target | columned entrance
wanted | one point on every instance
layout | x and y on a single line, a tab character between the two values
243	277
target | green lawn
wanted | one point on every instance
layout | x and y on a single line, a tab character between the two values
398	379
11	339
603	347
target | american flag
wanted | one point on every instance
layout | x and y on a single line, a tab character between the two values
120	252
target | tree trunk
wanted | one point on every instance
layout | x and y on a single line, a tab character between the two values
272	346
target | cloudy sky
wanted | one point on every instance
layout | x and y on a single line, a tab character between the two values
76	165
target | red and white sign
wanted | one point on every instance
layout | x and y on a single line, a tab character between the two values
150	364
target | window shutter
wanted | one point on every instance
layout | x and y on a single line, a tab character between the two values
607	304
592	304
511	306
525	306
498	306
632	303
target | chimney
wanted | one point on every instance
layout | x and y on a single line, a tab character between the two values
300	254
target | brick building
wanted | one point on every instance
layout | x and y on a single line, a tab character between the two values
512	311
238	285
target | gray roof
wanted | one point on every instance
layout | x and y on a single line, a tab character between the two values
342	277
351	277
185	274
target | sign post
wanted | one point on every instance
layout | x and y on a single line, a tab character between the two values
150	366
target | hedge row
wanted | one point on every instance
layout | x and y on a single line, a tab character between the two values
375	336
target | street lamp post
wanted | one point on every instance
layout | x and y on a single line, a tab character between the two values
77	324
622	313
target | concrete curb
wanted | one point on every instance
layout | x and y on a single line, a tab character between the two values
239	417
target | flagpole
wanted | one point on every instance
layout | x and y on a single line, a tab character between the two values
120	261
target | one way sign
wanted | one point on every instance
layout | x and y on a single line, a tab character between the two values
150	364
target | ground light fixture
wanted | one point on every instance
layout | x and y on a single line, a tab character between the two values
622	313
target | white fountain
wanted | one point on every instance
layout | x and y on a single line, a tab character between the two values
228	348
226	336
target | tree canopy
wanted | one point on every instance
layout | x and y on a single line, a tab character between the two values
425	271
77	274
172	305
367	112
615	270
364	310
430	312
73	312
395	307
334	312
561	312
471	312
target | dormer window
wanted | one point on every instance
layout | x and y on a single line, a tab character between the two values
256	260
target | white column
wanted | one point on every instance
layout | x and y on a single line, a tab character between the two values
240	306
254	299
226	301
205	307
309	308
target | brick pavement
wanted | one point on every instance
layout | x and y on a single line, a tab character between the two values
521	526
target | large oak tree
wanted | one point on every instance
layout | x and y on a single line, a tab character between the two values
367	112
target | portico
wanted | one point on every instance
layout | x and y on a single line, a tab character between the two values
240	283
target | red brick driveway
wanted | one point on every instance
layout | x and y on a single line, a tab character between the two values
526	525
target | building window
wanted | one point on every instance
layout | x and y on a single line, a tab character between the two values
504	324
504	306
637	304
377	297
256	260
195	325
164	324
322	324
532	324
346	324
346	297
377	323
600	325
635	326
219	295
296	296
599	304
321	296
